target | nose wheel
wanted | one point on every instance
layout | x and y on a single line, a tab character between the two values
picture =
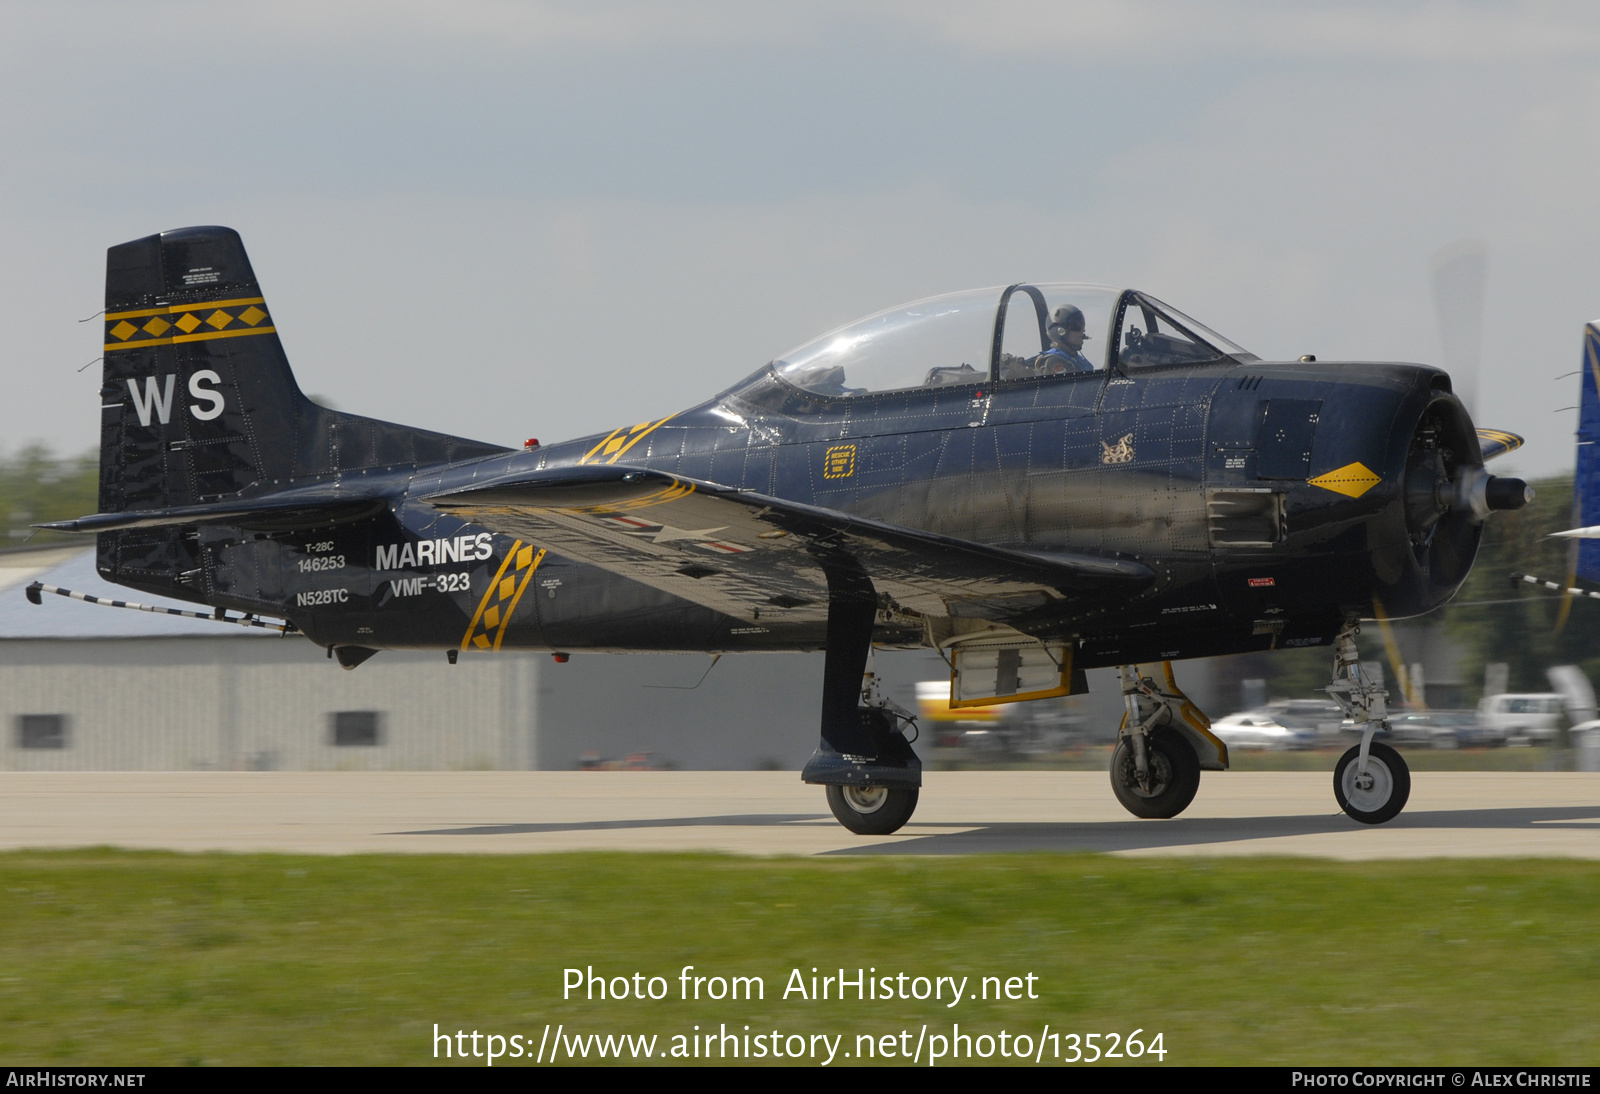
1371	782
1377	794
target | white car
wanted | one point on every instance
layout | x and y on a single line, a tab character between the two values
1535	716
1256	729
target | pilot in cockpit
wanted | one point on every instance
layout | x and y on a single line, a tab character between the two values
1064	354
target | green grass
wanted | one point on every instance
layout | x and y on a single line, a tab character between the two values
133	958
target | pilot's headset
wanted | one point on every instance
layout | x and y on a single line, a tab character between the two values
1065	320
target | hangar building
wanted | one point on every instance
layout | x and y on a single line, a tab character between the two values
84	687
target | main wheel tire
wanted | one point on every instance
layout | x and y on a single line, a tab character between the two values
1382	793
871	810
1174	775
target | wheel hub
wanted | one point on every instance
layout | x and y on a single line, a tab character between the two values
866	799
1158	775
1370	791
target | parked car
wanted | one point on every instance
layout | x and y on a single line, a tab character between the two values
1533	717
1439	729
1258	729
1306	715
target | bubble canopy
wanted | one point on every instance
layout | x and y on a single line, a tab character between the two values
999	335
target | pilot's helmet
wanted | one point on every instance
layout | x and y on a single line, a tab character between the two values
1066	318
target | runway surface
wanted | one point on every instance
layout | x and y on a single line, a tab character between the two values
772	813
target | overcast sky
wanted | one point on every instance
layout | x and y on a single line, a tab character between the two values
507	220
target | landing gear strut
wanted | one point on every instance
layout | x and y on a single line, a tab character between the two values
1371	781
864	759
1155	769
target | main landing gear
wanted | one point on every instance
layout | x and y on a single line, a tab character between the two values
864	759
1371	782
1164	742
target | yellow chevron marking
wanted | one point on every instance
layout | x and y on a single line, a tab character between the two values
660	497
589	455
529	566
619	441
639	433
1509	442
500	599
1352	480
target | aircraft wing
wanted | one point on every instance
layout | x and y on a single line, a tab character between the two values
1497	442
753	557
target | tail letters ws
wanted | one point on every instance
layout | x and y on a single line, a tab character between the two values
157	398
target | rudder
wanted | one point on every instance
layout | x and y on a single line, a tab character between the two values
1586	487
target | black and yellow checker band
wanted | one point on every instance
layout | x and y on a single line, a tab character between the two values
179	323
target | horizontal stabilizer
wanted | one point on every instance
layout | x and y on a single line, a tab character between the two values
284	512
746	554
1497	442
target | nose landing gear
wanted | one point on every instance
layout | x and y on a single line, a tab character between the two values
1376	794
1371	781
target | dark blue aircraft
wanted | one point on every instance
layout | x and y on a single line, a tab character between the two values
1033	481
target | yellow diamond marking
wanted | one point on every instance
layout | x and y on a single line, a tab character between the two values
491	618
1352	480
156	327
252	315
507	587
123	330
524	557
187	324
219	319
614	444
482	641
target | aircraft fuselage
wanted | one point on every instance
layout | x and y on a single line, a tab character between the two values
1217	477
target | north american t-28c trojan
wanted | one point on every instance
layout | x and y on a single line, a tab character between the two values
1033	480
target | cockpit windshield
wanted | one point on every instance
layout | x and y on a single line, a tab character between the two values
1152	333
996	335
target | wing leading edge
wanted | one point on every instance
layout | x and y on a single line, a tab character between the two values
756	557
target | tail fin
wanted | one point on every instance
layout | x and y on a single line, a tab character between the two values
1586	486
198	404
